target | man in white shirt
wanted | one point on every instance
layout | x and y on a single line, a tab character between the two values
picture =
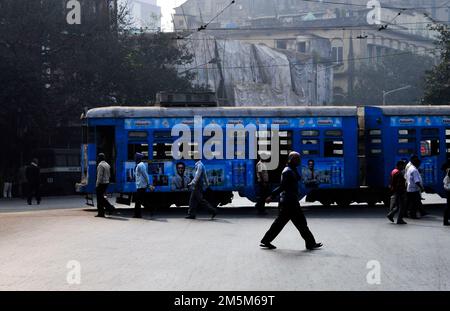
414	187
263	187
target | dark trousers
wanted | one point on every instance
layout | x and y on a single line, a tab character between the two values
414	202
102	202
263	191
197	200
140	200
33	190
398	202
290	211
447	209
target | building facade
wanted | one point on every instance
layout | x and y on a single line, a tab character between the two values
146	14
348	35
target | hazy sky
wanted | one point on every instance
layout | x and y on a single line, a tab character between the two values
167	9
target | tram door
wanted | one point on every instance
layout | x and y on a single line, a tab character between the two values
429	153
106	143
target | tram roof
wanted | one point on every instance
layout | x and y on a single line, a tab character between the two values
233	112
414	110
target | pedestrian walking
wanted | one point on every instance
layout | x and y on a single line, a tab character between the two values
420	207
289	206
398	197
198	185
414	188
33	176
263	188
102	183
8	184
447	190
142	184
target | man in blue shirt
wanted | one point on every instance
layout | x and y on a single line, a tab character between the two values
142	183
198	185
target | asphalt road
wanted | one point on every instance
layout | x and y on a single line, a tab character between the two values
60	245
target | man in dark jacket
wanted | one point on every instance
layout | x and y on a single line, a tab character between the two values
289	206
33	176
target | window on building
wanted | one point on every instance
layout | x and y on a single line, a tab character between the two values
282	44
301	47
337	51
337	54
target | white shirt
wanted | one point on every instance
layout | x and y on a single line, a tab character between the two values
413	177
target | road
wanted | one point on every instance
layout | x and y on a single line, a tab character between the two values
42	247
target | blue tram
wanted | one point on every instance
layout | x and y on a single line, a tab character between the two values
394	133
326	137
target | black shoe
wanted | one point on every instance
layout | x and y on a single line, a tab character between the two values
390	218
137	216
101	216
190	217
213	215
267	245
315	246
29	203
446	224
401	222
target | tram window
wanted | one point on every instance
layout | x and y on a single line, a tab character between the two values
407	132
375	132
133	148
162	135
333	133
310	152
137	135
406	151
375	151
407	140
375	141
162	151
310	142
286	142
310	133
430	132
334	148
429	147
